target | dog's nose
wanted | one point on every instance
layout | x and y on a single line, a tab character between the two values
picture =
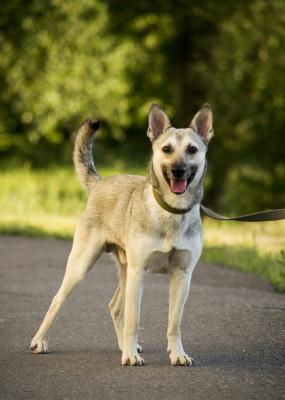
178	172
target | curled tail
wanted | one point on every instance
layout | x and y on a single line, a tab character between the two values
82	155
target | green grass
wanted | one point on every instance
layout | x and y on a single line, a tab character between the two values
48	203
270	267
250	247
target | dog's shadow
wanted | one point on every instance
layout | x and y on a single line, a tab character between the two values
214	356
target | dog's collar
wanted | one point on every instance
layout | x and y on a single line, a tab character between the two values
166	206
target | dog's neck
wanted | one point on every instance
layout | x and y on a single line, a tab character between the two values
188	200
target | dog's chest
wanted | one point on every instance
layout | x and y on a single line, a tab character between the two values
164	262
171	252
169	241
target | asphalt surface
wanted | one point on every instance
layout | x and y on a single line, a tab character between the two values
233	326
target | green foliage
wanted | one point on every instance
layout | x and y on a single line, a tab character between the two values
63	61
64	68
249	82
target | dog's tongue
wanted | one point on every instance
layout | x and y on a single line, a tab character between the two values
178	186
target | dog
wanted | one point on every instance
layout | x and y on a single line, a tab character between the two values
149	223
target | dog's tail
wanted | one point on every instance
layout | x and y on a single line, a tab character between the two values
82	155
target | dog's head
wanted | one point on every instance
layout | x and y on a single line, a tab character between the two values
179	154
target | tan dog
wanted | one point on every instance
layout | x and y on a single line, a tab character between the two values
150	224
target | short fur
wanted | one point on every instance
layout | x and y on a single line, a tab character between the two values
123	217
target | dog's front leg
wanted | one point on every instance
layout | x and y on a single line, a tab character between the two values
134	290
178	293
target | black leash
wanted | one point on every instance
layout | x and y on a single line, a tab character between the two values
269	215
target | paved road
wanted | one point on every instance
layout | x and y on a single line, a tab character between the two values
233	327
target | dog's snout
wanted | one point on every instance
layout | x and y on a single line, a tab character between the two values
178	172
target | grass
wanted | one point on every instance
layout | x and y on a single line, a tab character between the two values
48	203
250	247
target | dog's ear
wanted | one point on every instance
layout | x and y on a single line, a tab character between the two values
158	122
202	123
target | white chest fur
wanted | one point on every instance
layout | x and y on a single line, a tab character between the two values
171	241
180	251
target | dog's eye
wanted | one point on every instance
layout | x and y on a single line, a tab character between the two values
167	149
192	149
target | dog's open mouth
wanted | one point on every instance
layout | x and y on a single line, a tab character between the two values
179	186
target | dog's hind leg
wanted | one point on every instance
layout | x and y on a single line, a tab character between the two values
85	250
116	305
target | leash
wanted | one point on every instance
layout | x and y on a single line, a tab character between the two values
268	215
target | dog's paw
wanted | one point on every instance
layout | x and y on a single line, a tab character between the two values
39	347
132	359
139	348
181	359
